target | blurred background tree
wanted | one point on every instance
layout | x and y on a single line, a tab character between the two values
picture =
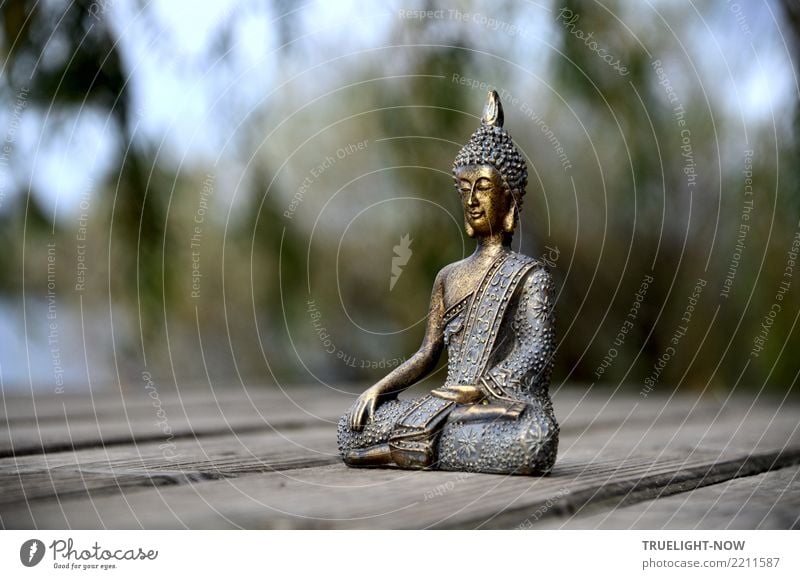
215	194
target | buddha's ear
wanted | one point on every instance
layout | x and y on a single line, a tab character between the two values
510	219
468	227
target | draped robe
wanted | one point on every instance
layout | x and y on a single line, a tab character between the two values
493	413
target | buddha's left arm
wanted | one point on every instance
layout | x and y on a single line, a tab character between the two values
530	361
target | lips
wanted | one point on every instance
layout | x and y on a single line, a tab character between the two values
476	214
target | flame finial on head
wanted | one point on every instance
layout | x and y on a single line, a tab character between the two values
493	110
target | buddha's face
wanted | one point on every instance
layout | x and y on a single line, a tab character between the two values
486	200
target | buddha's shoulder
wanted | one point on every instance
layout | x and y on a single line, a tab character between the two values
444	277
455	266
524	260
538	278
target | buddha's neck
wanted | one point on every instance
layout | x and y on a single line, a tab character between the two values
491	246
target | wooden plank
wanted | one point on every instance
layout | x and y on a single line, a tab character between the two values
99	468
605	467
22	408
144	423
766	501
336	497
41	406
34	477
82	424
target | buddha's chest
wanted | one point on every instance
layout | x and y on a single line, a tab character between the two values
460	285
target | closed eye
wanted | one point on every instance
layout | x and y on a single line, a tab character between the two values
483	184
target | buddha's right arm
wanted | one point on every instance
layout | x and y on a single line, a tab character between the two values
412	370
424	360
409	372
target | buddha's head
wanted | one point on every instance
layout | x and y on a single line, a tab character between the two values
490	174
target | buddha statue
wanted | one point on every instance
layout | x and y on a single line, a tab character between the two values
493	311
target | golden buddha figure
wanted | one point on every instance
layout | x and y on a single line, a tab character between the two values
493	311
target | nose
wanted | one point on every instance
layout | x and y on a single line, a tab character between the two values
472	200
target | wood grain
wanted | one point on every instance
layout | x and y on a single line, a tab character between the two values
268	459
770	500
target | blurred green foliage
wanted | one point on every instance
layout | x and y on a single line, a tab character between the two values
297	288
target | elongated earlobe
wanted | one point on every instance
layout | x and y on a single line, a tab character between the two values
470	230
509	221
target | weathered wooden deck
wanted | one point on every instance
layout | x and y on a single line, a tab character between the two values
266	458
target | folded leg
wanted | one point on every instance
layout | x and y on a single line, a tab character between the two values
365	448
523	445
